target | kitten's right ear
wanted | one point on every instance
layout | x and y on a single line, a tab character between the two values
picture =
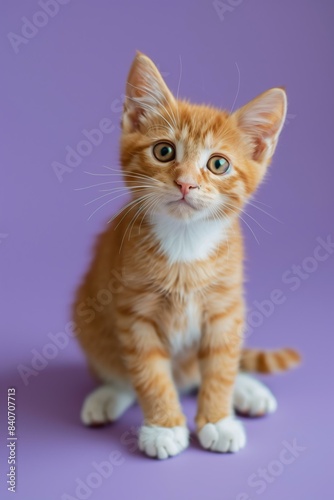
262	121
146	91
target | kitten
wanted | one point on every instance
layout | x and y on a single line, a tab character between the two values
166	278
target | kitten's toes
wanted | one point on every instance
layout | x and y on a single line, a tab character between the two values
163	442
226	435
252	398
105	404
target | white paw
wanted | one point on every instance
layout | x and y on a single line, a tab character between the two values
163	442
226	435
251	397
104	405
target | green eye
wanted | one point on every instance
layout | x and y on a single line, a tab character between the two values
164	151
218	165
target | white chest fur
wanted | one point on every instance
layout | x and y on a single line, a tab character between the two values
190	332
188	241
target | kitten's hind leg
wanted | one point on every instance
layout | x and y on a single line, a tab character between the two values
251	397
106	404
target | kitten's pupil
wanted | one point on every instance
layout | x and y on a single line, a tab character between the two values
219	163
165	150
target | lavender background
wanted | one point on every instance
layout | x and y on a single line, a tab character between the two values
68	77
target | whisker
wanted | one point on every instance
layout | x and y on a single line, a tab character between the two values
112	191
248	215
97	174
245	222
152	206
265	212
149	203
93	185
105	203
129	188
127	228
178	89
238	89
110	182
260	203
251	230
141	209
121	173
217	211
132	174
98	198
133	204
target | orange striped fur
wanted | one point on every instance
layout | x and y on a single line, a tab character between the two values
256	360
172	321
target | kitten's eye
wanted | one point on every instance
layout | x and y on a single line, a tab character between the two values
164	151
218	165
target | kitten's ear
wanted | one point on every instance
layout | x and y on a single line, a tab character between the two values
262	120
146	91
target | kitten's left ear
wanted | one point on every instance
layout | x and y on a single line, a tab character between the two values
262	120
146	92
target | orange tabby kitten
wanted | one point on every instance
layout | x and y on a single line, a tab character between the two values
175	320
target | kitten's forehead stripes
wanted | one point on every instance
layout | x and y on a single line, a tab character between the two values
197	149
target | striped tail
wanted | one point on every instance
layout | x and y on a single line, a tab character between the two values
280	360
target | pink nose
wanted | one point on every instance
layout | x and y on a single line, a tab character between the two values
185	187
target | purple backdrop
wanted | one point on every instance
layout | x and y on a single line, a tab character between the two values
65	76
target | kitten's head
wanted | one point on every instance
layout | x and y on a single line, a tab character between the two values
191	161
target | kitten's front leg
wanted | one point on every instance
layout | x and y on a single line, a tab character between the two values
164	432
218	354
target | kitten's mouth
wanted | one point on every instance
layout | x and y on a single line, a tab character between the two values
182	201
